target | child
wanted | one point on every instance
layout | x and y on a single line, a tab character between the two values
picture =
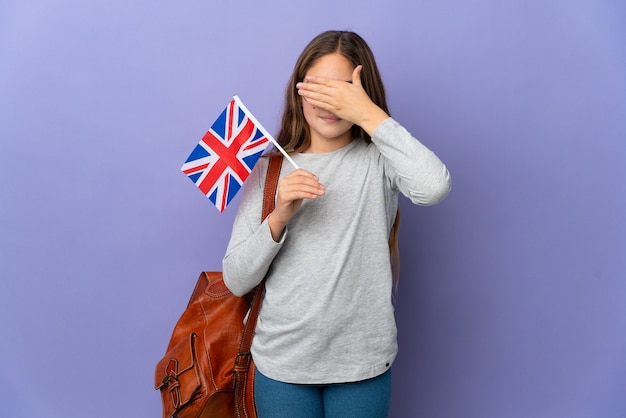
326	335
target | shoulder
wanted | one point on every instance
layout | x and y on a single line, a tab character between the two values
259	171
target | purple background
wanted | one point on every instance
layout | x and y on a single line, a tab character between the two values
512	300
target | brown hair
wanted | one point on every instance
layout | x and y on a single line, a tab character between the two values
294	135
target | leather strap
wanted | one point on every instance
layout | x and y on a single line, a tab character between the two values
271	184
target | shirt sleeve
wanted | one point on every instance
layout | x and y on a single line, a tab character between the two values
411	167
251	248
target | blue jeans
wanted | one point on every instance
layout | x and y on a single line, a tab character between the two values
364	399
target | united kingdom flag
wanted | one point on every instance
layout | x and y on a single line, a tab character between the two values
225	156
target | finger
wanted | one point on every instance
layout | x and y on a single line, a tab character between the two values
298	195
285	196
313	79
301	172
318	100
301	180
356	75
312	90
303	184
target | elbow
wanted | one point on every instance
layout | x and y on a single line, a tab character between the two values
231	282
232	286
438	191
242	275
439	194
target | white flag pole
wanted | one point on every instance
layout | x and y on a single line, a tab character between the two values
262	129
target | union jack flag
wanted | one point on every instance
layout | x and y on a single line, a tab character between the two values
225	156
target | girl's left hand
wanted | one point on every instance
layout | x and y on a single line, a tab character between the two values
349	101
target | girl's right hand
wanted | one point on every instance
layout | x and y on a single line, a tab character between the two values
292	190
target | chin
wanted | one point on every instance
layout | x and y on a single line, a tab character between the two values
335	132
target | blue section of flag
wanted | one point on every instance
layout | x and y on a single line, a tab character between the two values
251	160
197	153
242	115
233	189
219	126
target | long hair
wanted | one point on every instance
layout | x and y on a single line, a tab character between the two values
294	134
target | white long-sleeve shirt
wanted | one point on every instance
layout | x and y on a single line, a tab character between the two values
327	315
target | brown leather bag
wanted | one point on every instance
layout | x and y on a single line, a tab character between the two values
207	371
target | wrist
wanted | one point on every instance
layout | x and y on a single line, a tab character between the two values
372	119
277	227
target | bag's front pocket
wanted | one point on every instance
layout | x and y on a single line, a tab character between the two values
177	375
